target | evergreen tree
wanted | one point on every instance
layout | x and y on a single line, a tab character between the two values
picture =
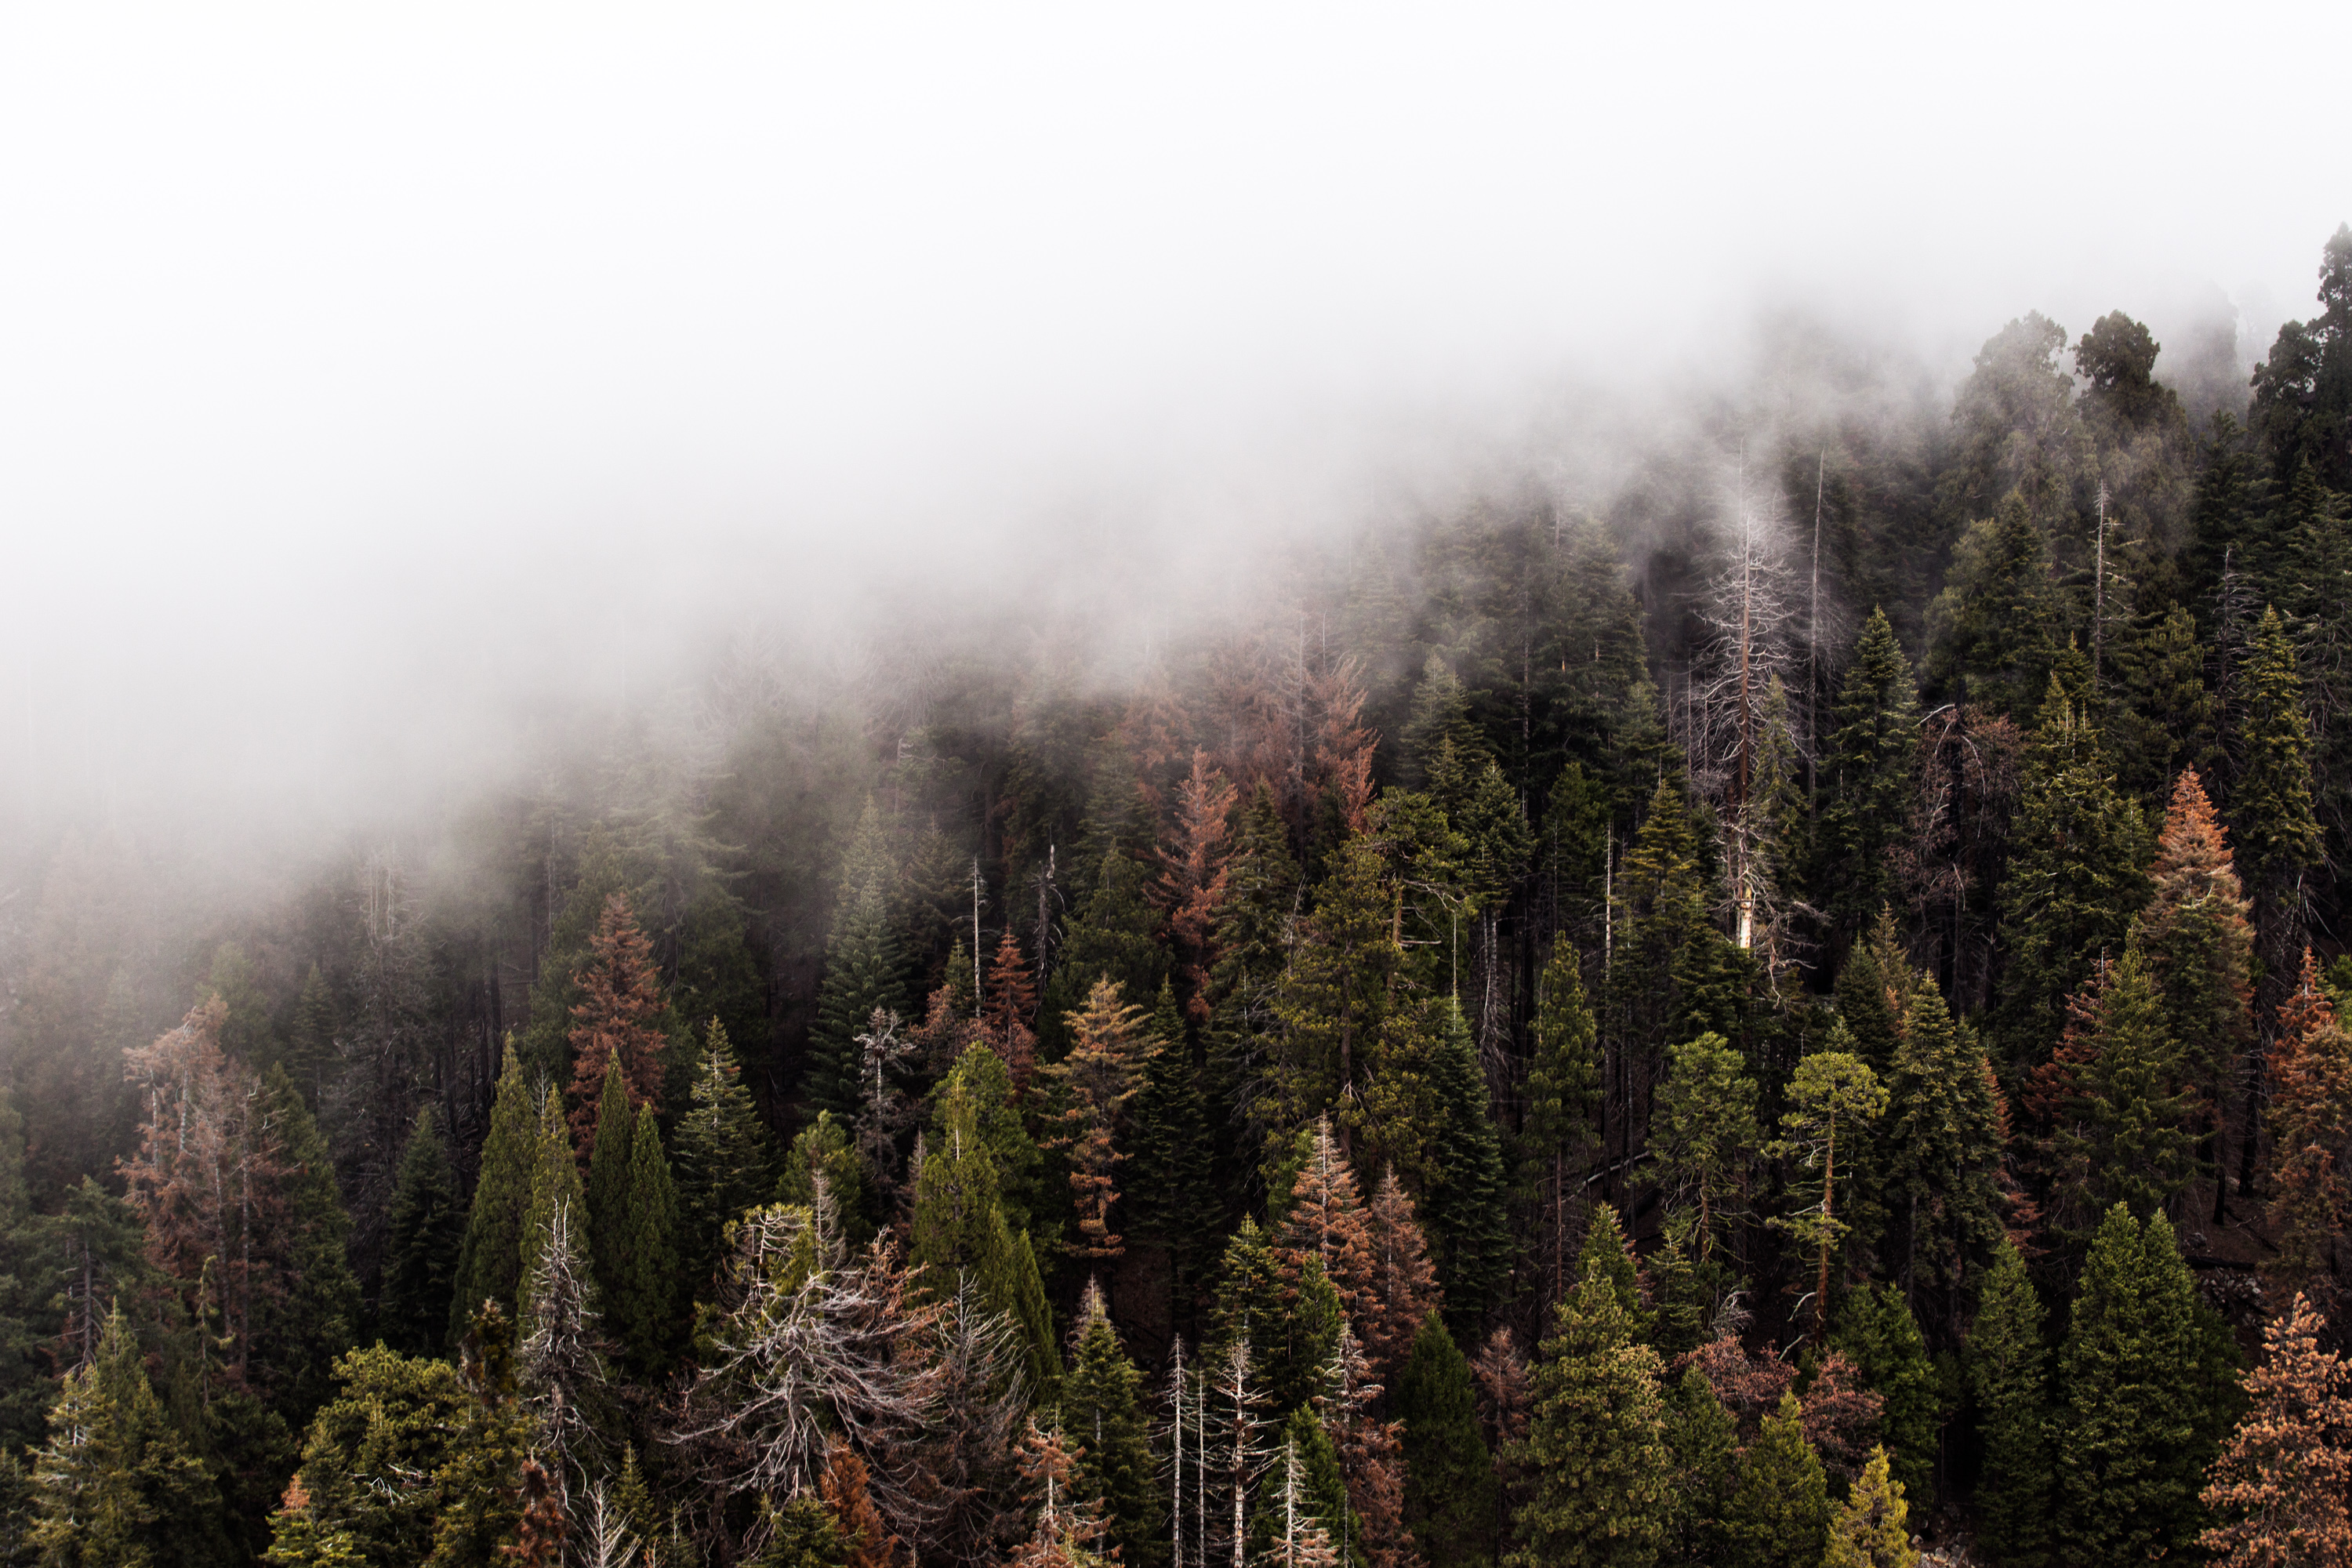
607	1190
1877	1333
2279	1488
311	1041
1449	1485
1870	1528
1404	1283
117	1486
1558	1123
621	1020
23	1390
1334	999
2136	1426
2277	833
2311	1096
1706	1132
722	1158
1702	1448
1867	770
960	1231
822	1149
1171	1200
316	1317
1101	1410
2008	1378
423	1247
1596	1447
1990	630
554	1186
571	931
2114	1097
1114	935
641	1297
1778	1516
1943	1144
1464	1208
1093	1086
1834	1099
863	972
488	1263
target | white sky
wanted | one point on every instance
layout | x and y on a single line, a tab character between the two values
412	362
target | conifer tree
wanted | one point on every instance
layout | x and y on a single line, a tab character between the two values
1256	923
722	1157
1663	937
621	1018
1834	1099
1559	1123
1706	1132
1008	1010
1094	1083
2136	1427
2074	880
1870	1528
566	1389
1702	1448
1990	630
488	1264
1778	1516
1172	1199
2270	806
1449	1485
1370	1457
959	1230
1596	1449
1324	1218
823	1150
117	1486
1114	935
427	1235
311	1041
1404	1283
642	1298
1285	1307
863	970
1942	1143
1466	1207
1192	878
607	1187
1334	998
2310	1118
2009	1377
1102	1412
393	1421
316	1318
555	1185
2279	1489
1877	1333
1868	767
23	1390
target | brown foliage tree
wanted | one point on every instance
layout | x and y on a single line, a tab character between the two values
1100	1074
2311	1117
1008	1011
844	1486
1192	882
1372	1456
1404	1281
2280	1484
1327	1220
620	1015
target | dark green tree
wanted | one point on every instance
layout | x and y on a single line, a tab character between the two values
1467	1208
1449	1476
488	1262
1170	1194
1993	632
118	1487
317	1318
425	1241
1866	775
2008	1380
722	1158
1778	1516
1879	1336
865	970
1559	1117
1703	1445
1102	1412
642	1296
607	1189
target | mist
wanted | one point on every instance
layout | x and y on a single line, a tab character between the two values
382	385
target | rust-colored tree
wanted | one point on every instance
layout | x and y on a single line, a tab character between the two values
1068	1530
2311	1117
1326	1219
1008	1010
539	1538
849	1499
1192	882
1371	1456
1404	1281
2280	1485
619	1016
1095	1081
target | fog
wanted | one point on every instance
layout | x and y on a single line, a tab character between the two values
376	382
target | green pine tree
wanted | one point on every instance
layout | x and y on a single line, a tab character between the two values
1704	1134
1596	1447
959	1232
1102	1412
1991	630
1879	1336
554	1182
1778	1516
722	1158
1559	1118
1871	1526
2140	1416
1449	1477
117	1486
1702	1442
317	1318
1867	772
1466	1208
1170	1191
490	1263
864	971
311	1041
2009	1379
607	1191
427	1231
642	1298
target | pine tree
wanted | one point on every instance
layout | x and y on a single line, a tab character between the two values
1596	1447
427	1233
1192	878
2135	1430
1466	1208
959	1230
2114	1099
621	1019
24	1392
803	1535
2009	1377
1324	1218
1706	1134
1778	1517
722	1158
1333	1000
555	1185
1449	1486
608	1174
117	1486
1867	768
1008	1009
356	1500
2278	835
316	1318
1404	1283
1702	1448
2311	1116
1877	1333
863	971
1942	1141
640	1299
488	1263
311	1041
1102	1412
1172	1199
2279	1488
1835	1101
1559	1123
1870	1528
823	1150
1990	630
1094	1084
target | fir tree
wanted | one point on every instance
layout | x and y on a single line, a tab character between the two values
823	1150
311	1041
1942	1141
863	972
1102	1412
489	1264
2270	805
555	1185
1877	1333
2279	1488
1867	770
1991	629
427	1233
1559	1123
722	1158
642	1299
959	1230
1094	1083
1466	1208
2113	1097
1449	1502
1778	1516
1596	1447
1870	1528
621	1019
1834	1099
1702	1446
2009	1377
1324	1218
2136	1428
1706	1132
316	1317
1404	1283
117	1486
1008	1011
1171	1200
607	1189
2311	1116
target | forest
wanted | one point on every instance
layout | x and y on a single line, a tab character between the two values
1786	1014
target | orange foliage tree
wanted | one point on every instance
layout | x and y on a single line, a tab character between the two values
621	1013
2279	1483
1192	882
2311	1116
